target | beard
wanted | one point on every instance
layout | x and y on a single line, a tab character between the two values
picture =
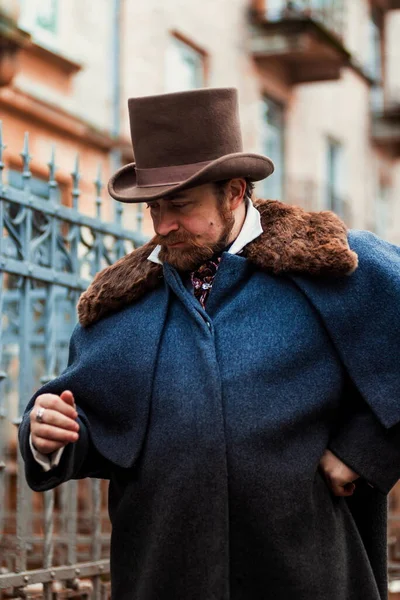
195	253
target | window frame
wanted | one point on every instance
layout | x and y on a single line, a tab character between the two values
180	42
278	185
29	21
334	187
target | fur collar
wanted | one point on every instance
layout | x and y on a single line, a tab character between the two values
294	241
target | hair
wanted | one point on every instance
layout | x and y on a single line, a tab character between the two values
220	188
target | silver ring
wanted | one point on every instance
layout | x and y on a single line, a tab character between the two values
39	415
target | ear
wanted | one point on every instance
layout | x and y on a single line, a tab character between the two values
235	192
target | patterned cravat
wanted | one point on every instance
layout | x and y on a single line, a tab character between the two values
202	279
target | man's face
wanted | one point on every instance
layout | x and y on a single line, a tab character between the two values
191	226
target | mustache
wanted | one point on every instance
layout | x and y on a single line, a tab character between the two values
176	238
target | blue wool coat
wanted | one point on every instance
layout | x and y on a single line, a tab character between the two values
210	426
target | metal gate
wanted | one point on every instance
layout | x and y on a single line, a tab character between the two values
56	544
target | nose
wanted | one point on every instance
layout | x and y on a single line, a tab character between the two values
164	223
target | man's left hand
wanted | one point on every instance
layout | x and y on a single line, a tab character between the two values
338	475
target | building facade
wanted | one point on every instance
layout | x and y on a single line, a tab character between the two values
319	92
318	82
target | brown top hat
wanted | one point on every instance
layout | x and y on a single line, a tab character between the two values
182	140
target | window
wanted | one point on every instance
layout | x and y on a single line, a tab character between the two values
272	134
184	66
40	18
373	64
275	9
374	57
382	209
334	177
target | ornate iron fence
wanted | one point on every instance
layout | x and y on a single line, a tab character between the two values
52	545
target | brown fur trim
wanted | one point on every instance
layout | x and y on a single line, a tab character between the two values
294	241
297	241
119	284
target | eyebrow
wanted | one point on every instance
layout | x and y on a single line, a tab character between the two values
175	197
178	196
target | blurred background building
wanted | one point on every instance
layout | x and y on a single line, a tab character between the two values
319	91
318	80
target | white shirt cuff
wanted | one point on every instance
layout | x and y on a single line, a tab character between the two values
46	461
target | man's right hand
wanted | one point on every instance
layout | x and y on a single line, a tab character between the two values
58	426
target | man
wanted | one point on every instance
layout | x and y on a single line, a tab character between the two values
236	379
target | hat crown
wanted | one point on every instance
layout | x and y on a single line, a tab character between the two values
184	140
184	127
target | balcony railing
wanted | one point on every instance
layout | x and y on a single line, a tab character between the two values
385	126
303	38
328	13
314	196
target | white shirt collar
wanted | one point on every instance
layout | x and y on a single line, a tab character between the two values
251	229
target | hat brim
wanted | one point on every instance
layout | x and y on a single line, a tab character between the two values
123	184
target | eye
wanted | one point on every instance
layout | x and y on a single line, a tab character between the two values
181	205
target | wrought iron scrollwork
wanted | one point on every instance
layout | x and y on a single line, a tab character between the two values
49	251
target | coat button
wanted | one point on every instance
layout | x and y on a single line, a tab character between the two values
208	324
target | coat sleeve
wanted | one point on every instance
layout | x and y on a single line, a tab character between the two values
48	461
113	405
361	313
367	447
79	460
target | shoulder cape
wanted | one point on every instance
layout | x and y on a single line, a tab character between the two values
352	279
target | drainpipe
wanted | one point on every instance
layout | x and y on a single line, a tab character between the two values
115	154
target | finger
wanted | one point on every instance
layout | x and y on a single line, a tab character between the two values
343	490
68	397
51	401
46	446
339	486
58	419
56	434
